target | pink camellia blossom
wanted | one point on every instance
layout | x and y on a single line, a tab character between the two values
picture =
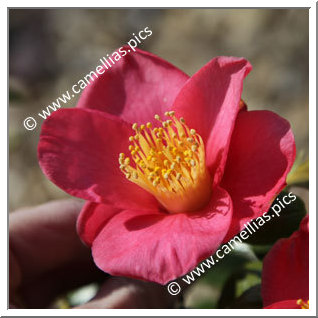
285	276
170	165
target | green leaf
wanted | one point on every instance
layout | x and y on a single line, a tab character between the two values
250	299
299	174
237	285
206	305
261	250
251	279
221	271
216	276
279	226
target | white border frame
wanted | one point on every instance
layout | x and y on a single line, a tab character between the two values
312	158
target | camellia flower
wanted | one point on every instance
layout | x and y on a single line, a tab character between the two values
285	276
171	166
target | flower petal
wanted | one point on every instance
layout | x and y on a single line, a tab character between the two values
209	102
160	247
92	219
261	154
136	88
78	151
285	304
286	268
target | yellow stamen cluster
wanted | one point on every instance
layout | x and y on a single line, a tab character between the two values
303	304
169	162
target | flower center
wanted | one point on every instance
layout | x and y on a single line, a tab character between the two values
303	304
169	162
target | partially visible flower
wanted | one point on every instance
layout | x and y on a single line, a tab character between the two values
285	277
171	165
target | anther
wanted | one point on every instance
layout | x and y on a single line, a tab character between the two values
163	161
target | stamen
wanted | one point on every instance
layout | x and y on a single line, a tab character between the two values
169	162
303	304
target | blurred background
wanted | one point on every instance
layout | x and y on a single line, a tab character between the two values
50	50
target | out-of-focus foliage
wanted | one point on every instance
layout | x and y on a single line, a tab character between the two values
299	175
76	297
235	280
280	226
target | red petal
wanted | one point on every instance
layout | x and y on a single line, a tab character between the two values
92	219
262	152
286	268
160	247
209	102
78	151
136	88
285	304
